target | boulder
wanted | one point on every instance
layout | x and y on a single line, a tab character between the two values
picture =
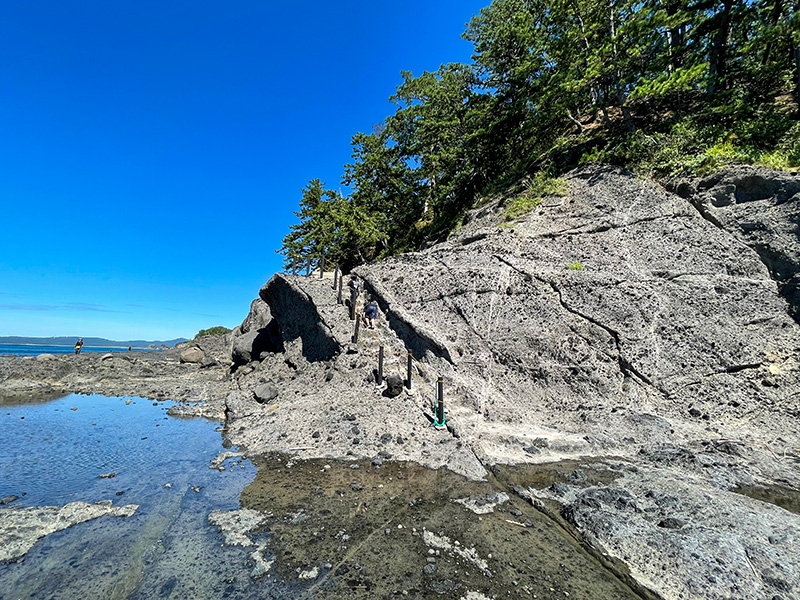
192	355
46	357
394	386
266	392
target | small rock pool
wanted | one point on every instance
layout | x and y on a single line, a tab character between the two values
124	449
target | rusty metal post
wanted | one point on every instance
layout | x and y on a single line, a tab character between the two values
408	370
335	276
380	366
339	297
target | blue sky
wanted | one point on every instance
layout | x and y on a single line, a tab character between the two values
152	153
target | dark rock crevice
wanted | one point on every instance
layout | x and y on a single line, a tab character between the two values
607	227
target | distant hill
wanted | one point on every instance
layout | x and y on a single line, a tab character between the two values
87	341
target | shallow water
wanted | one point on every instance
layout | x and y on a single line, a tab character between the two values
54	455
363	527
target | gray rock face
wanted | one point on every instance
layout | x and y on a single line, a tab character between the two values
257	334
299	319
259	316
713	542
760	208
266	392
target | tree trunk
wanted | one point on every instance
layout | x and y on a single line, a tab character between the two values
796	52
776	15
719	50
626	114
797	73
674	40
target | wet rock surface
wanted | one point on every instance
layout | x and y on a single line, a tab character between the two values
21	528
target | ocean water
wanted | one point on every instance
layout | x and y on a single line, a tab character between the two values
34	350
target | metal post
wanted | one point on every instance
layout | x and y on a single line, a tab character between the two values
339	298
439	421
380	366
355	333
321	266
308	267
353	303
335	276
408	370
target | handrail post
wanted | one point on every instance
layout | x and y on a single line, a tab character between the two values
321	266
355	333
380	366
339	298
335	276
439	421
408	370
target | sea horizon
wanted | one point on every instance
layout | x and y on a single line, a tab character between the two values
36	349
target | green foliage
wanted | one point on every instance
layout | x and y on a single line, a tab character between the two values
536	188
217	331
663	87
575	266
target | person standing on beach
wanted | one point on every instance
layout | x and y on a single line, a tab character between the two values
78	345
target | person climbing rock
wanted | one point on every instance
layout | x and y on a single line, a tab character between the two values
370	313
78	345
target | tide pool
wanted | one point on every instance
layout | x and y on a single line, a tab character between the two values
56	452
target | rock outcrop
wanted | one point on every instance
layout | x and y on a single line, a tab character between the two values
618	320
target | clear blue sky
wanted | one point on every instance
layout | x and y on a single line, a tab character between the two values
152	152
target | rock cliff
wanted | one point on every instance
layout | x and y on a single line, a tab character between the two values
619	320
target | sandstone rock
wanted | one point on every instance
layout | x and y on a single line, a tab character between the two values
192	355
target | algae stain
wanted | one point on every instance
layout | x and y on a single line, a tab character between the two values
146	547
343	528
